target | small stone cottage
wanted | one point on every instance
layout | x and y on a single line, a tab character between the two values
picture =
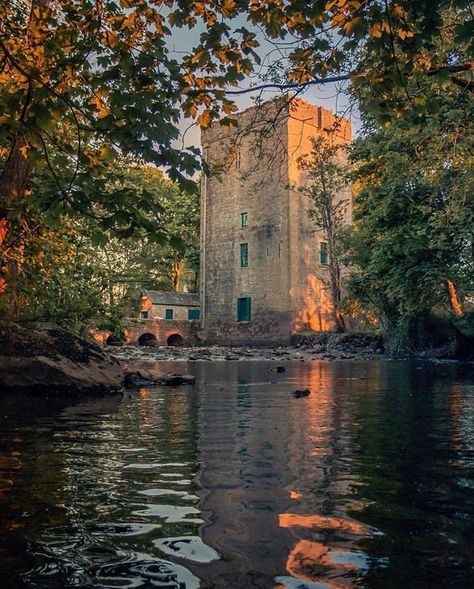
178	306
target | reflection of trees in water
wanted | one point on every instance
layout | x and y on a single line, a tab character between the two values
74	479
28	500
409	457
388	444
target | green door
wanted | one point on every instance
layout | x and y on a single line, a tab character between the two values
244	309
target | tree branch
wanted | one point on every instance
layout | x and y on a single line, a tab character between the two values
341	78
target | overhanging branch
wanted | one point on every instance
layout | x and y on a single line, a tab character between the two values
457	68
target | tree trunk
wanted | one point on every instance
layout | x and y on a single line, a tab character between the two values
453	299
176	273
13	180
334	275
13	183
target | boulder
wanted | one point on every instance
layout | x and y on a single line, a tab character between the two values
51	361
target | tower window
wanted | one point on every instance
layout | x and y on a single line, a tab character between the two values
244	255
323	253
169	314
144	314
244	309
244	219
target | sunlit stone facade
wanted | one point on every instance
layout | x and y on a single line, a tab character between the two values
261	270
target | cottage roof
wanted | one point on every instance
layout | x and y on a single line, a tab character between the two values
173	299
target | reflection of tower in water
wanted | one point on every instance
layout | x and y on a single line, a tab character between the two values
242	440
271	471
322	478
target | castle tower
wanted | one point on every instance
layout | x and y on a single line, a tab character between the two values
264	272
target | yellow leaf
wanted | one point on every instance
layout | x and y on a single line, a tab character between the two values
405	34
229	107
338	19
205	119
197	56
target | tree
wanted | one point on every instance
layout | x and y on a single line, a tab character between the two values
327	181
412	243
83	81
76	71
61	281
78	276
390	52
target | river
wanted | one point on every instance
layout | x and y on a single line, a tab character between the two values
368	482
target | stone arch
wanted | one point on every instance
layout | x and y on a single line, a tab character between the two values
175	339
113	340
147	339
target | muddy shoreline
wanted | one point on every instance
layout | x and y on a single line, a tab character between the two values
223	353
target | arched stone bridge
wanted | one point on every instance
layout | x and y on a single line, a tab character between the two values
156	332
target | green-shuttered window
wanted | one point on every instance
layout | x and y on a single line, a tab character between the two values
323	253
193	314
244	309
169	314
244	255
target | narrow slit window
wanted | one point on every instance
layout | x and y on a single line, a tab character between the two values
323	253
244	219
244	255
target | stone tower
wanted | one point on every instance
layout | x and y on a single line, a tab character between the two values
264	269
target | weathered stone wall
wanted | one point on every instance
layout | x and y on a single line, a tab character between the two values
180	312
253	167
346	342
310	298
254	180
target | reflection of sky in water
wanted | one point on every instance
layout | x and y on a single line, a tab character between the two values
238	484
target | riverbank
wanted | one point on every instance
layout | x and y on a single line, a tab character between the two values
51	361
359	348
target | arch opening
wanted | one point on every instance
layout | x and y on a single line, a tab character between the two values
147	339
113	340
175	340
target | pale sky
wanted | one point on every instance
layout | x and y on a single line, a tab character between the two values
329	96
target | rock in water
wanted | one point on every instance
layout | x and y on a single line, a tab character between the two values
135	377
301	393
51	361
174	380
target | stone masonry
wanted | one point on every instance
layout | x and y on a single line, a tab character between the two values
250	198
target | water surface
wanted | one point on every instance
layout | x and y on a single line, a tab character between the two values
368	482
